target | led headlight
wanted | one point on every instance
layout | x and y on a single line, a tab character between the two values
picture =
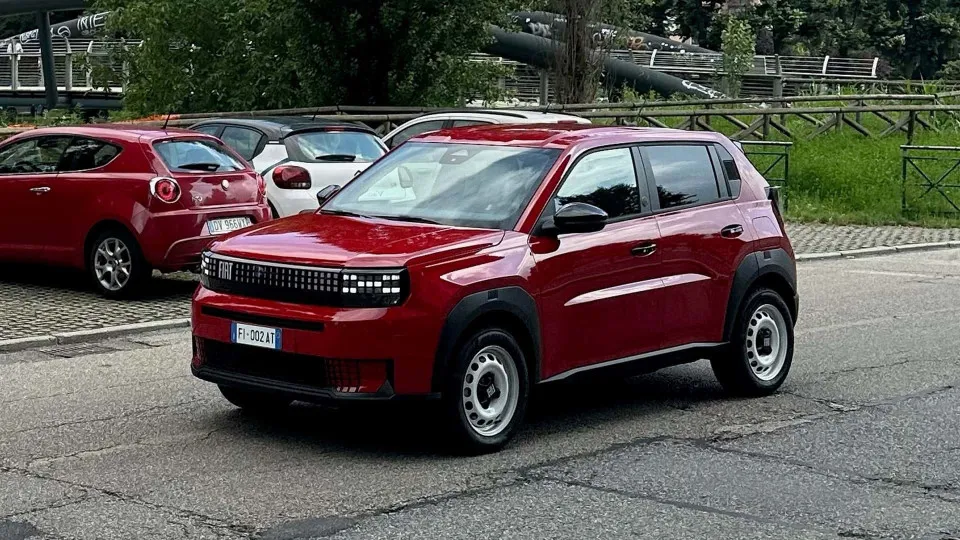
373	288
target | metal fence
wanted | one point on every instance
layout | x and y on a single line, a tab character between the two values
930	179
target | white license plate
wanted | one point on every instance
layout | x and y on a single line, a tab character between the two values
225	225
256	336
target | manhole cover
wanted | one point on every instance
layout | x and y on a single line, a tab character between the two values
73	351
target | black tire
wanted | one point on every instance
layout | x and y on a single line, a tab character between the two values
273	211
140	270
463	436
738	369
254	401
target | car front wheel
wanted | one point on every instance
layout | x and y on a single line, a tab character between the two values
758	358
116	264
487	392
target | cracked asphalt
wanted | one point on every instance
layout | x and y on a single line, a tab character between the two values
862	442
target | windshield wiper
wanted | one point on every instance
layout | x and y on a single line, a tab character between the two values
413	219
346	158
199	166
342	213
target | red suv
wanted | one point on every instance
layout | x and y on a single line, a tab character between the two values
469	264
121	200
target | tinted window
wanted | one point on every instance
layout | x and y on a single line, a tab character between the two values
320	146
209	129
605	179
39	155
730	169
684	175
85	154
196	156
466	123
416	129
453	184
244	141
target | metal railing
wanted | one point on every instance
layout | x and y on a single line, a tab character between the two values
934	172
22	71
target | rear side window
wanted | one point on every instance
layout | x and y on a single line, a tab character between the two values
730	170
416	129
684	175
209	129
85	154
196	156
606	179
333	146
245	141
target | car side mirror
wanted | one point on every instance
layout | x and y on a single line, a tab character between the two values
324	194
578	217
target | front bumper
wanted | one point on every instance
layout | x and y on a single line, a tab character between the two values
326	352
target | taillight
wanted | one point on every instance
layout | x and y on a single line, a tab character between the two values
291	177
165	189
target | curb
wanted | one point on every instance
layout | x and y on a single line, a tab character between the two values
879	250
81	336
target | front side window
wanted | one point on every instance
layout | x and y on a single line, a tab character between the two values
85	154
33	156
326	146
606	179
192	155
244	141
684	175
414	130
453	184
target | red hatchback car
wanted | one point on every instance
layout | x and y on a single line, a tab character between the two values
121	201
470	264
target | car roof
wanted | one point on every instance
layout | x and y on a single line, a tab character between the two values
504	116
560	135
119	132
278	127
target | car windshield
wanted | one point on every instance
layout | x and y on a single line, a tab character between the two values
452	184
342	146
196	156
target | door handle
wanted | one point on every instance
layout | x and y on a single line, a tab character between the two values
731	231
41	189
644	250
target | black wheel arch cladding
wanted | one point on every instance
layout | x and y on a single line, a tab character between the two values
514	301
755	267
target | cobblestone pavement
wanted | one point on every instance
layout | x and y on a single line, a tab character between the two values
39	302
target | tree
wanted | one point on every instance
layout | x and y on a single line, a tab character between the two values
738	53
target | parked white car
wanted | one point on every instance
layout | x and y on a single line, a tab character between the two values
298	156
434	122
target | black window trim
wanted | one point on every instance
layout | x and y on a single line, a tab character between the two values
57	170
723	170
261	144
724	194
638	171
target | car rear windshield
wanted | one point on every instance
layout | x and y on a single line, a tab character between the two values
334	146
197	156
452	184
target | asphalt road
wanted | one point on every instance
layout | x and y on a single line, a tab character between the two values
863	442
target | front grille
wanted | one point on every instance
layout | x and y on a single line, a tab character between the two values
342	287
299	369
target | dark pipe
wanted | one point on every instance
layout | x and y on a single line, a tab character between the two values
46	58
553	25
542	53
84	26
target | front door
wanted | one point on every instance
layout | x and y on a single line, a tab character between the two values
597	290
28	176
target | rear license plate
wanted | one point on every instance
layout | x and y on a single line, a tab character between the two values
256	336
225	225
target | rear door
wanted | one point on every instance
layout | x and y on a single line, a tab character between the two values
209	174
29	218
598	290
703	239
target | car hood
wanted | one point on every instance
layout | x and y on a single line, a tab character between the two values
325	240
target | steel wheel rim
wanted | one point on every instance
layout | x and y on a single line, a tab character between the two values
767	342
112	264
489	411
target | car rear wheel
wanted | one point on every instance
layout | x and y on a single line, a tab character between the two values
760	353
116	264
487	392
253	401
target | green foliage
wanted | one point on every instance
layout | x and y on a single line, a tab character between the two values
201	55
738	53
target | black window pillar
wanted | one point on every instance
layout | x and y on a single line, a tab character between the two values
46	58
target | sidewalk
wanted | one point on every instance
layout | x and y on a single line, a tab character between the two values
37	303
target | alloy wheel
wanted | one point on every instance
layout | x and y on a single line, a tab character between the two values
113	264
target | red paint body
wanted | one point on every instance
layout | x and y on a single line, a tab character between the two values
595	301
53	227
